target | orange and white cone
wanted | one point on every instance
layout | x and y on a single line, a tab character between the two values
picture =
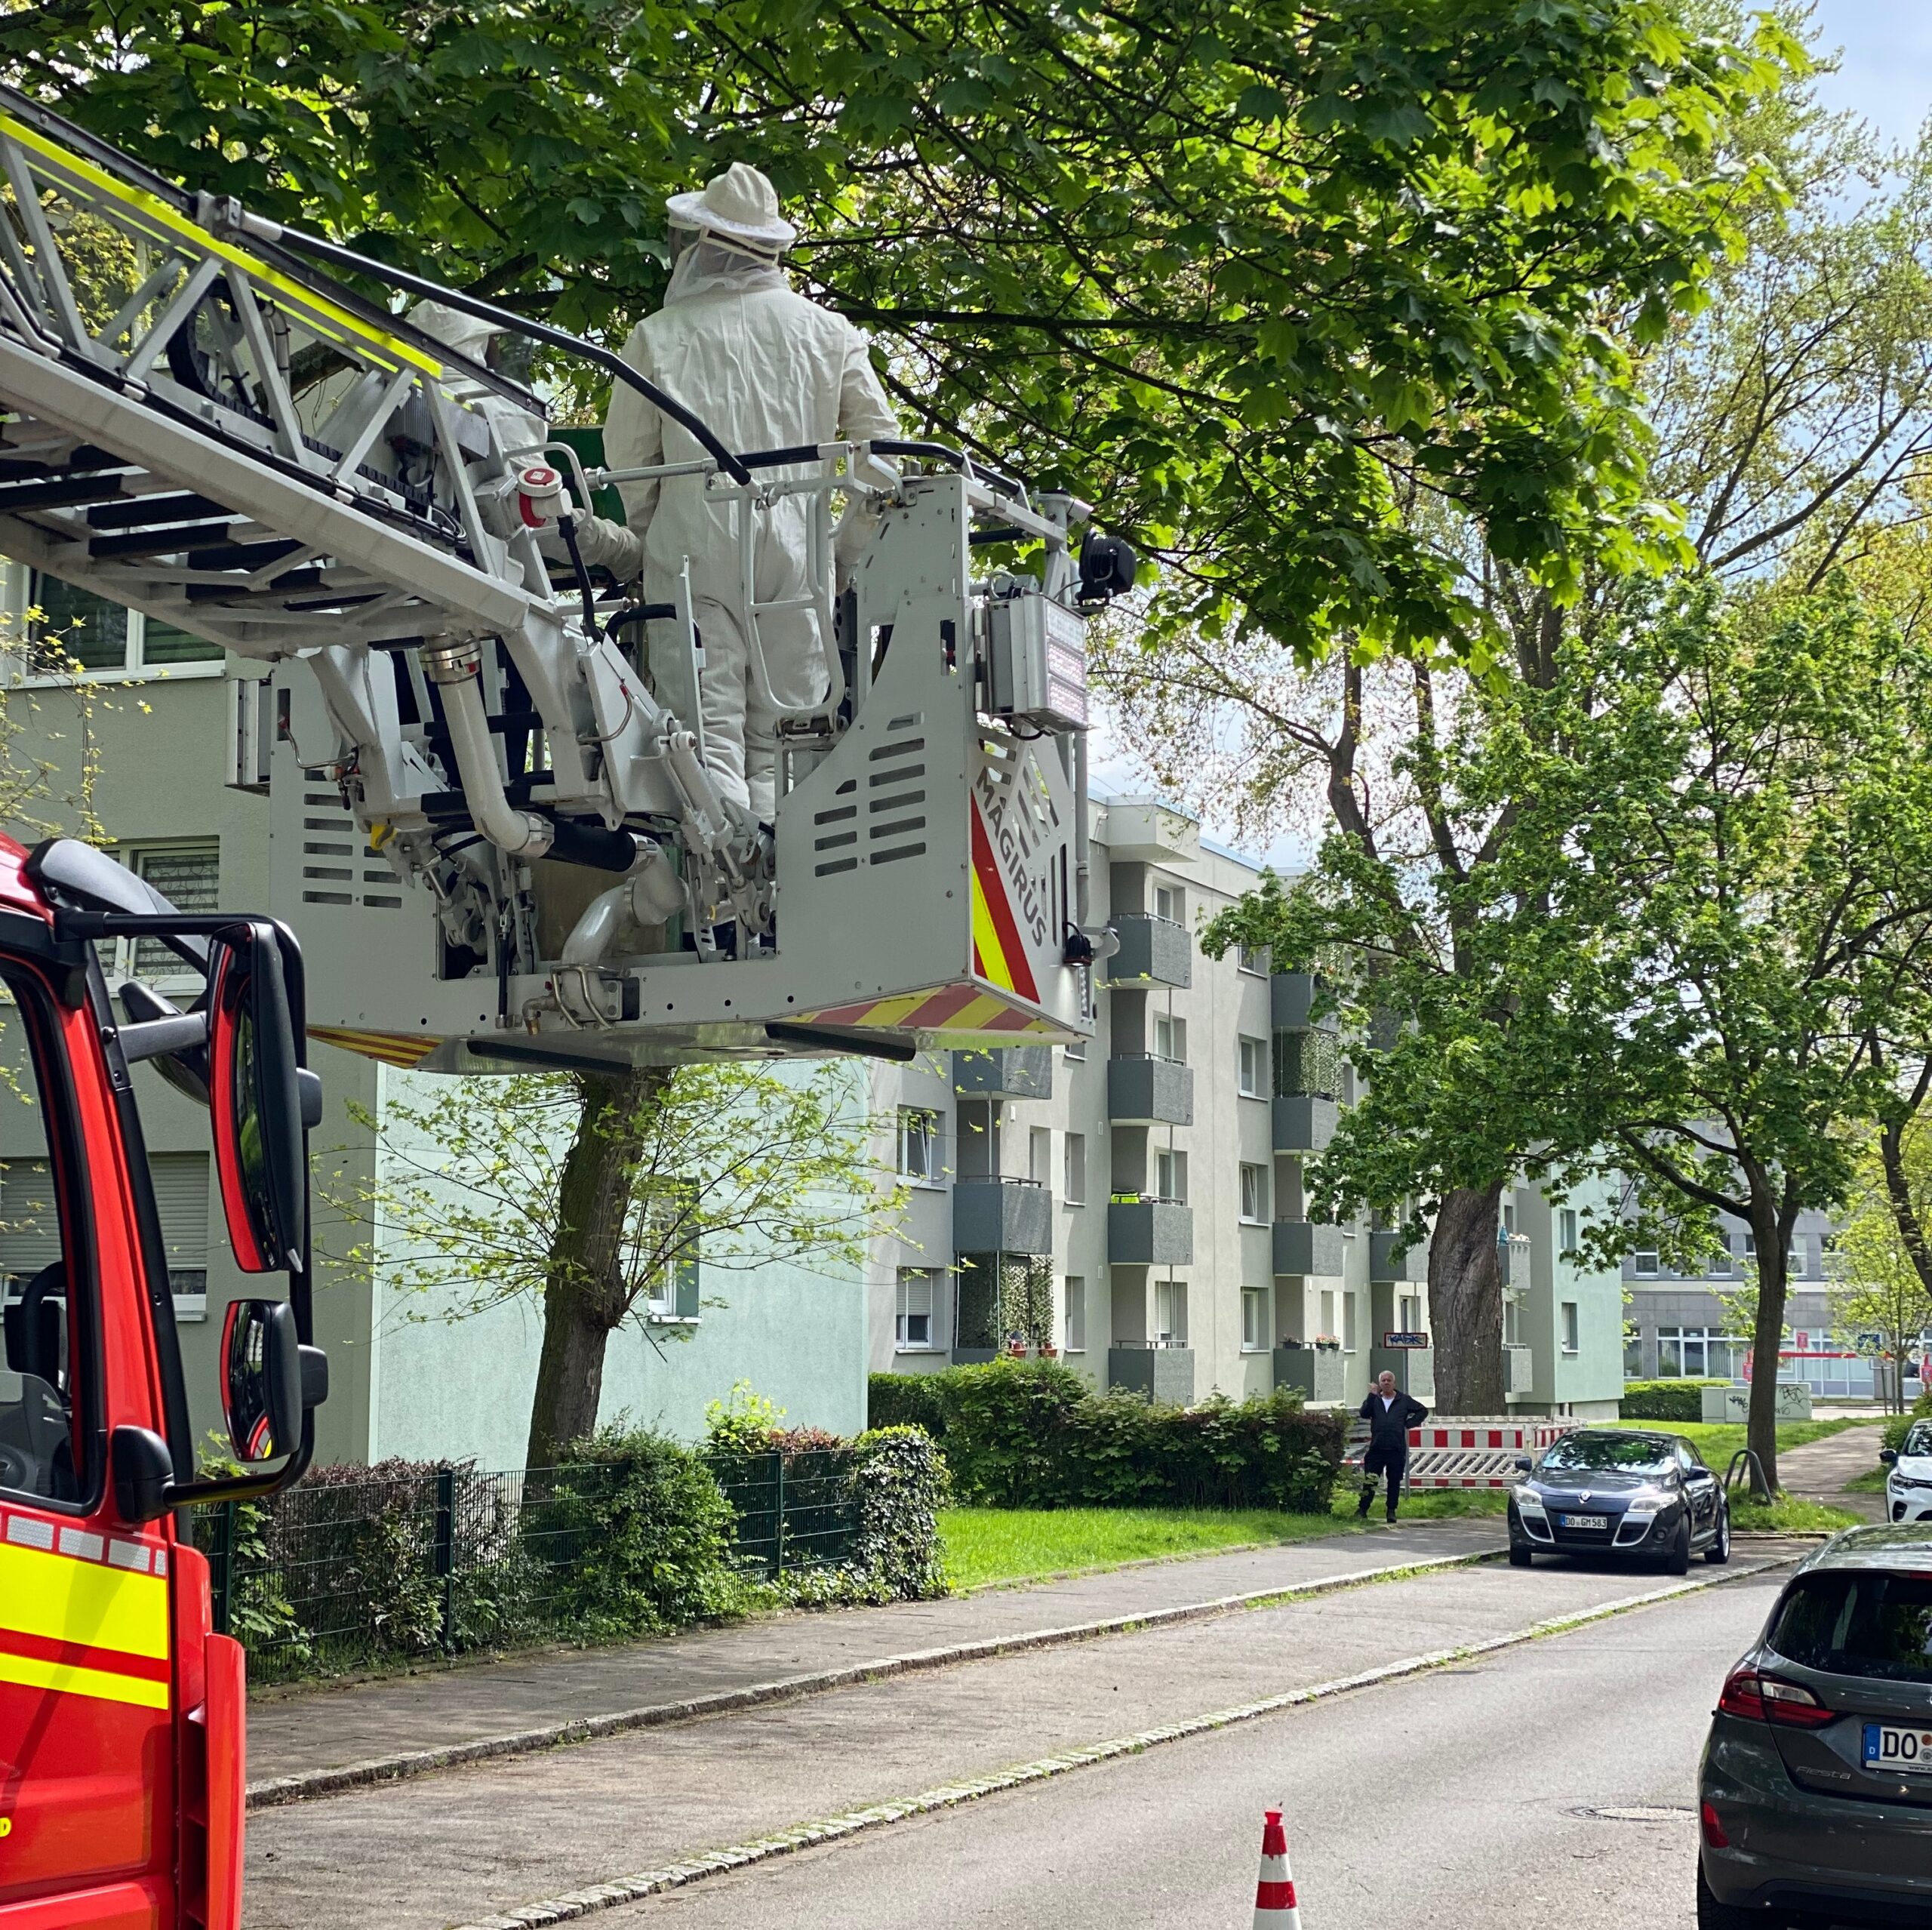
1275	1907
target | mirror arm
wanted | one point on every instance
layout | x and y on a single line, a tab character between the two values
248	1487
152	1037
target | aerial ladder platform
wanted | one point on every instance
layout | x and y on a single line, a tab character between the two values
493	828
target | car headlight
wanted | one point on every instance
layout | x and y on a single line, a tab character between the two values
1528	1501
1647	1500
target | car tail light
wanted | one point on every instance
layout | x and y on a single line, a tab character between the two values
1714	1834
1765	1698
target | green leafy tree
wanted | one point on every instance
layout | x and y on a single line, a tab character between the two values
601	1198
1882	1284
1259	283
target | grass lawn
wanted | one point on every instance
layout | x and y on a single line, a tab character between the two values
1717	1441
988	1545
1787	1516
1873	1483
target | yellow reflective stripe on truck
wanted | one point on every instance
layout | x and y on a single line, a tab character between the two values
82	1613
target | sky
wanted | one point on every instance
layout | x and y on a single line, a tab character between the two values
1884	75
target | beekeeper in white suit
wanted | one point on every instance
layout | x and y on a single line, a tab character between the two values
766	369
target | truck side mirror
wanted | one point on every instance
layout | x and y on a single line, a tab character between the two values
144	1471
261	1379
257	1100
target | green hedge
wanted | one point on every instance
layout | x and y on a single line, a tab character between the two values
905	1400
1897	1429
1665	1400
1034	1434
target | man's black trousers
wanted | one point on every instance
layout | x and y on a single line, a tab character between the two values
1392	1462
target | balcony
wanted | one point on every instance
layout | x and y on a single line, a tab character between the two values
1002	1216
1512	1259
1162	1370
1004	1072
1519	1373
1382	1263
1147	1231
1304	1121
1143	1090
1290	996
1153	951
1309	1247
1316	1373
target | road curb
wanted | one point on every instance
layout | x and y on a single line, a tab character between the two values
307	1785
620	1890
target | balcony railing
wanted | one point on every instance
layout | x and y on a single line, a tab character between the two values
1144	1091
1148	1231
1153	951
1383	1264
1310	1247
1004	1072
1304	1121
1002	1216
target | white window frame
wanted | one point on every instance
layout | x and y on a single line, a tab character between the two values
1175	1028
1173	1186
904	1312
1074	1313
1252	960
1166	1326
1171	903
1073	1169
918	1123
1257	1175
1251	1067
1570	1315
1644	1264
1351	1324
177	975
1254	1319
1566	1227
134	668
1040	1154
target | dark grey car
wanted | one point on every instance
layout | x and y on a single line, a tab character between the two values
1815	1796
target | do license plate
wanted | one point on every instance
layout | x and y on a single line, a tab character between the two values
1892	1746
1582	1521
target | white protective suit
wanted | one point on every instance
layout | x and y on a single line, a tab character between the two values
765	369
470	335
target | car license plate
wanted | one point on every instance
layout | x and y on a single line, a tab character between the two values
1582	1521
1892	1746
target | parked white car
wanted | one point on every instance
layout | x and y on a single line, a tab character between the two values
1909	1486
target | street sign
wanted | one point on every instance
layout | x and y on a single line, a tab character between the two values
1415	1339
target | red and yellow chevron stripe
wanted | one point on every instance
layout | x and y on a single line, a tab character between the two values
406	1049
84	1623
999	953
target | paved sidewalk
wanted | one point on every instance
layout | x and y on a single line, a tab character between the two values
1819	1471
355	1728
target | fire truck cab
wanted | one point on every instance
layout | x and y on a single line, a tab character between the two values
122	1713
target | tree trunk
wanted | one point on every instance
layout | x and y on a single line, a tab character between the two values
585	1294
1762	1430
1465	1302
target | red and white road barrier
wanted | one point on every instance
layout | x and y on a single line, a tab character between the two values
1275	1906
1474	1451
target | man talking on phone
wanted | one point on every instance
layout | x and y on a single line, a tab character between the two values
1390	1414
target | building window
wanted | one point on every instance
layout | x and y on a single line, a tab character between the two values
1571	1343
1700	1353
1254	1069
1254	1319
1408	1313
918	1145
1798	1269
1566	1222
77	628
1253	1193
189	876
1170	1037
1254	959
181	1198
1171	1312
1350	1338
1644	1264
1512	1321
1040	1154
1171	903
1073	1169
1722	1263
1327	1314
1171	1175
1076	1314
913	1326
1751	1247
1633	1355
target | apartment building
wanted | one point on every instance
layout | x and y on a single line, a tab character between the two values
1137	1204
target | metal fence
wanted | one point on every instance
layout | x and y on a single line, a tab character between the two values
337	1575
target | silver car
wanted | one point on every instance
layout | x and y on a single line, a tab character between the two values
1815	1797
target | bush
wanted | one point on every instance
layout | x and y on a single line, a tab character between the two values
900	1484
637	1534
1665	1400
1033	1434
905	1400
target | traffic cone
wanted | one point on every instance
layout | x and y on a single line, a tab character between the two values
1275	1907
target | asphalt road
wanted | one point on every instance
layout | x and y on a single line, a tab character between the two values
1471	1797
1386	1785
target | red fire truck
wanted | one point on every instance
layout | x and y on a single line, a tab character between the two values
120	1711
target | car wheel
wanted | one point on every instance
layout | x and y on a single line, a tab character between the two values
1678	1561
1520	1557
1713	1915
1718	1553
